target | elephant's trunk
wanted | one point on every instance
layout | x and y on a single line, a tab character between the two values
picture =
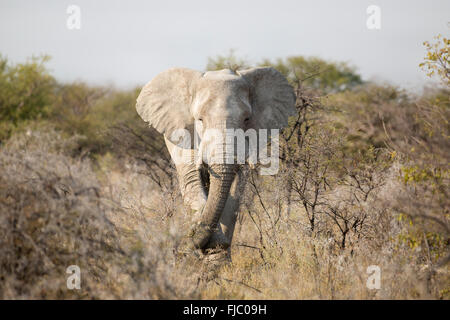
221	176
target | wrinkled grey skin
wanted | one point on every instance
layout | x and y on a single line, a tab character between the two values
258	98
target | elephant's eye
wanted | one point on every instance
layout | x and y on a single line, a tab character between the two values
246	120
200	119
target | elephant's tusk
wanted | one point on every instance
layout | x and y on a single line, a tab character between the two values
199	157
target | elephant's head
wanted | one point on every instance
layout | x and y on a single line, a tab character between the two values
258	98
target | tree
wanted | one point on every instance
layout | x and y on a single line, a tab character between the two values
229	61
26	89
317	73
26	92
313	72
437	61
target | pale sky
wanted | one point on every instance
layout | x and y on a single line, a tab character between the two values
126	43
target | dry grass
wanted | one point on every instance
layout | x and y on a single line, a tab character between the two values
123	229
290	263
56	212
364	180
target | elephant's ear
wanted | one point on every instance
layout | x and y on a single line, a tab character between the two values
273	98
165	101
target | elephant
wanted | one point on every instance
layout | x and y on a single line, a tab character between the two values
193	102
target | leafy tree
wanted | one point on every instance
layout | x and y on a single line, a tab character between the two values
317	73
229	61
26	89
312	72
91	111
26	92
437	60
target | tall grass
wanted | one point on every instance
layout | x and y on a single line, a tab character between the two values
363	182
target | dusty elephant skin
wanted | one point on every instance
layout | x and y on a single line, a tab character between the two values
183	99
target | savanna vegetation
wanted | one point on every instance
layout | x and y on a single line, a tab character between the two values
364	181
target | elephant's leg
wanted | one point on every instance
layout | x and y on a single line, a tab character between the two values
193	193
230	212
191	187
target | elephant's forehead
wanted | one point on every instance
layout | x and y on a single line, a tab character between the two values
225	74
223	83
217	90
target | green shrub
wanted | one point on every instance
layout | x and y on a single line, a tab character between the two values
26	92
